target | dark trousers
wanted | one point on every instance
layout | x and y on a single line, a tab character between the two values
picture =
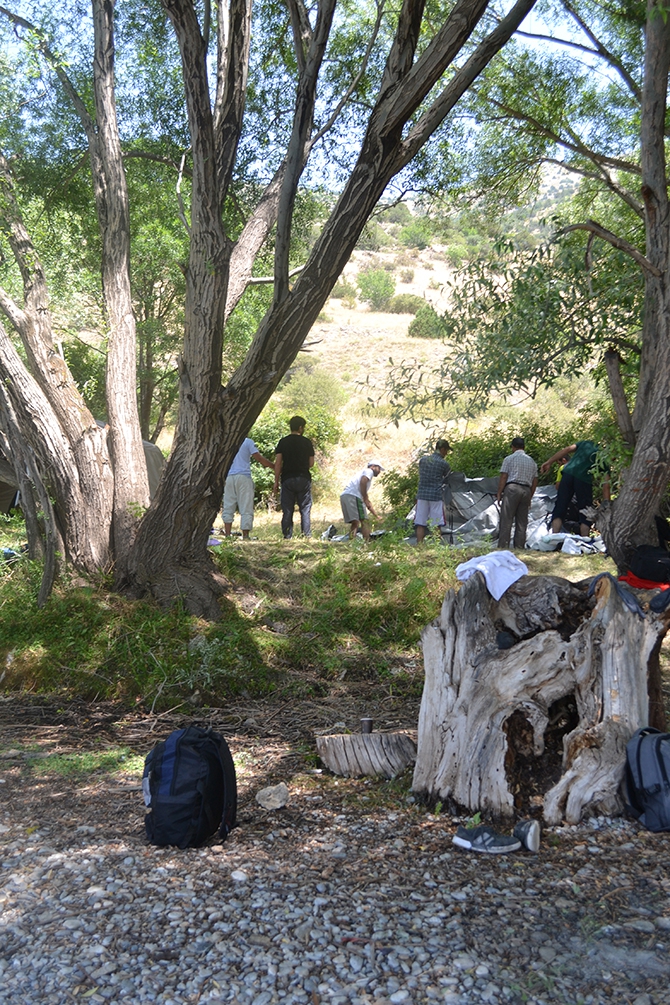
567	487
296	492
515	505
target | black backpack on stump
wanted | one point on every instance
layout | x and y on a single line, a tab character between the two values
648	778
190	788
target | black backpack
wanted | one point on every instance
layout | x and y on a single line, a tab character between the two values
648	778
190	788
648	562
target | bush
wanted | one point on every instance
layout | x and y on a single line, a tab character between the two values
407	275
427	324
342	290
377	288
399	489
372	238
400	213
480	456
307	386
416	234
323	429
406	303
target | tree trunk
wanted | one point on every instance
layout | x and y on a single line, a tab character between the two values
376	754
546	721
630	519
170	557
131	484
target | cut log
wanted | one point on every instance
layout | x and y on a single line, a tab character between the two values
376	754
544	722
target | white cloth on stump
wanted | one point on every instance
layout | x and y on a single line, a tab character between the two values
499	568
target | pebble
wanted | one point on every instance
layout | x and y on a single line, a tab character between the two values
343	908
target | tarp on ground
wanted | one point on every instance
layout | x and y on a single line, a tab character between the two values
471	511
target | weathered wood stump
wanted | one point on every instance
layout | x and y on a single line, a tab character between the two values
545	721
356	754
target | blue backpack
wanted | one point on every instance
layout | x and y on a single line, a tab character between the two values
190	788
648	778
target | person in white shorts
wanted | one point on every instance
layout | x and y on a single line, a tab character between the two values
238	492
433	471
355	501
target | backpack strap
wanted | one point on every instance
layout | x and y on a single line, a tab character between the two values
169	758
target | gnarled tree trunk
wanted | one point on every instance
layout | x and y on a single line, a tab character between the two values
545	721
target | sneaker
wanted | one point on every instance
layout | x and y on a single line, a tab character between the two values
528	833
485	839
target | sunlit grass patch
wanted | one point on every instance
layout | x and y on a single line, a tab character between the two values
83	764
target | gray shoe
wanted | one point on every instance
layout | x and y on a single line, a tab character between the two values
528	833
485	839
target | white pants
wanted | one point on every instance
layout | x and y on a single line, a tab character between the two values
238	492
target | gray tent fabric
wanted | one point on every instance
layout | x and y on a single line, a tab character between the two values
471	511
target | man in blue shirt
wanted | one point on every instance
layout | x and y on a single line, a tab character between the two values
433	472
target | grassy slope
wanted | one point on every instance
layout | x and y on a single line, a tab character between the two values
300	617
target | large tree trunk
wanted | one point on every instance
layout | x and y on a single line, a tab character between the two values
169	557
630	520
52	415
546	721
131	484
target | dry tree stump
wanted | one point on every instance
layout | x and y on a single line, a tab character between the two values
544	722
376	754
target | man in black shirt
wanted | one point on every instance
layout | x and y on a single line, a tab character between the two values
294	458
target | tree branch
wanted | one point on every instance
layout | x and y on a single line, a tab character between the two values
233	43
463	78
12	311
354	83
604	52
577	148
295	156
601	176
302	31
617	242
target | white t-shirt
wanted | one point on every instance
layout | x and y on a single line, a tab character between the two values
242	462
354	486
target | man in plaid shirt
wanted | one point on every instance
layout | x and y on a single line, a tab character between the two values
518	481
433	471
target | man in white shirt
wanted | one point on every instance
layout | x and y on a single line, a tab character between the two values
355	499
518	481
238	492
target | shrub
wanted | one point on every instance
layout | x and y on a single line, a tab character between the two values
323	429
427	324
400	213
343	289
406	303
399	489
481	455
478	456
372	238
407	275
416	234
377	288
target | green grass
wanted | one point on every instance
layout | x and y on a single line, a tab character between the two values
300	617
82	764
87	763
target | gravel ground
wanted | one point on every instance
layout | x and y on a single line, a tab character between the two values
352	893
